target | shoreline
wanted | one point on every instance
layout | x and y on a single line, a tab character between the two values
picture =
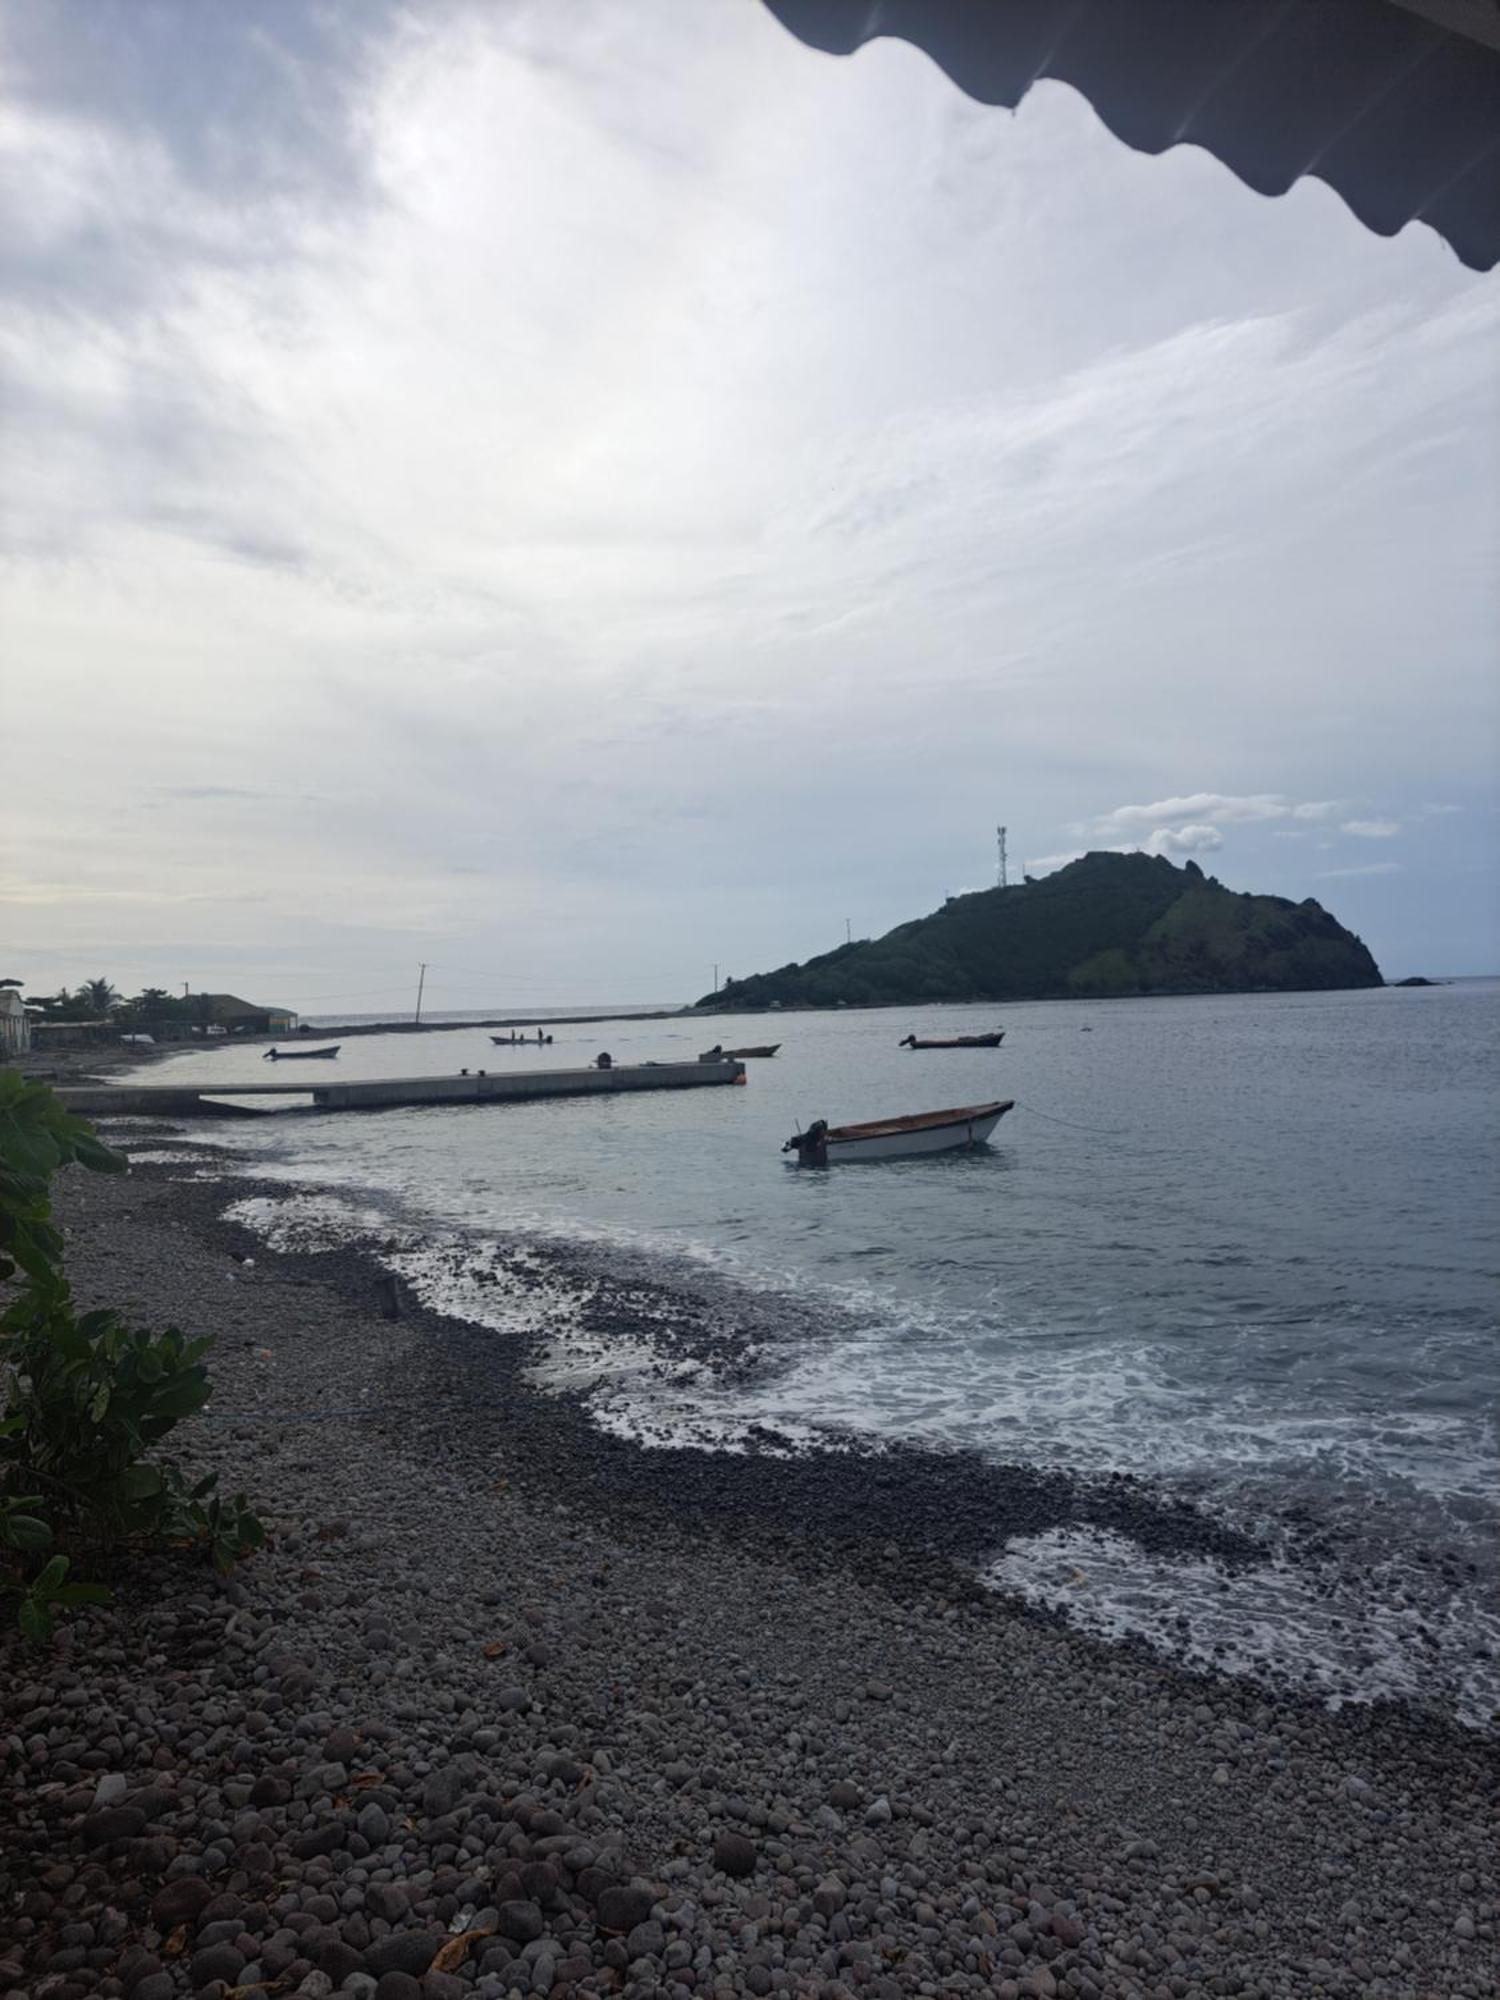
931	1789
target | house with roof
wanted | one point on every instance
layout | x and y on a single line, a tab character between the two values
244	1017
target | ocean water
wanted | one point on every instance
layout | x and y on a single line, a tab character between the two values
1247	1247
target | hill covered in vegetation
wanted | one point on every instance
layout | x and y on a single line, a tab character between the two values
1107	925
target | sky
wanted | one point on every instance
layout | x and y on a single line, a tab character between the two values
583	495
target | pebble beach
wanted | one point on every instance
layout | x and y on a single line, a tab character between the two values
511	1707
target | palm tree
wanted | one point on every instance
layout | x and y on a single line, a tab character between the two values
98	996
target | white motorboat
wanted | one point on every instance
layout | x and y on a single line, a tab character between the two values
825	1145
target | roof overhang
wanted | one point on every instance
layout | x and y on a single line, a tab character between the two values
1394	103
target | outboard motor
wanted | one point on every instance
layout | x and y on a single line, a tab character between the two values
811	1146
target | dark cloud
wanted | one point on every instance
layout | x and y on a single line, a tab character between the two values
248	100
237	118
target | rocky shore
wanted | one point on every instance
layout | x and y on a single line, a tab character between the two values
511	1707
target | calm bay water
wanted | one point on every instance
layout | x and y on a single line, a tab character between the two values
1249	1247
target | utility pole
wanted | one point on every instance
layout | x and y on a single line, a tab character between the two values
716	978
1000	836
421	982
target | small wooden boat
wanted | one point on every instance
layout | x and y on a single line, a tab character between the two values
301	1055
739	1055
991	1041
825	1145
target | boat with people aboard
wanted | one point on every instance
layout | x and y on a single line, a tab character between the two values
302	1055
717	1054
989	1041
825	1145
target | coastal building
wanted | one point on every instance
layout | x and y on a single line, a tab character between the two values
15	1023
244	1017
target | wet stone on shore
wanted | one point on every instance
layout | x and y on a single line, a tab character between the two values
504	1711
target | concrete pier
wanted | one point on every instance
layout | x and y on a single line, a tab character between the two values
176	1100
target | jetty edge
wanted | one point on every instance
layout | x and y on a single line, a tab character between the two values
105	1099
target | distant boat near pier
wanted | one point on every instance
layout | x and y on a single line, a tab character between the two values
990	1041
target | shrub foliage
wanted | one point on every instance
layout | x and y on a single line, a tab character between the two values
85	1398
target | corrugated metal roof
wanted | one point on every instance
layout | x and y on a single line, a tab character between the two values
1394	103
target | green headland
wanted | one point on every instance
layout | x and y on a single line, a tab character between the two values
1106	926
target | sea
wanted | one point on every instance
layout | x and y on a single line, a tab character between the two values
1244	1248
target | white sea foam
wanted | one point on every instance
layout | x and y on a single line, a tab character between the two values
1310	1629
1095	1398
305	1223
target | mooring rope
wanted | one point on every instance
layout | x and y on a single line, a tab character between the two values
1105	1131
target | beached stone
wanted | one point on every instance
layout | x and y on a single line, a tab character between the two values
403	1951
322	1840
216	1961
387	1900
442	1792
520	1921
113	1823
397	1986
623	1905
734	1854
330	1953
830	1896
181	1901
646	1940
444	1986
110	1789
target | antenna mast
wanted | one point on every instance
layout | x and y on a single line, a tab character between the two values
1000	837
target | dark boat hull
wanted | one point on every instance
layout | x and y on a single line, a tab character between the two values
303	1055
956	1042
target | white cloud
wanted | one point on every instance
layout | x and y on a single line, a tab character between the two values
1372	829
1184	840
1221	808
1368	868
1167	840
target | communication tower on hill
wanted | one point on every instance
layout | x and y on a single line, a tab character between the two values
1000	837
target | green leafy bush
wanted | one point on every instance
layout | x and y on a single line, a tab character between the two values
37	1136
85	1399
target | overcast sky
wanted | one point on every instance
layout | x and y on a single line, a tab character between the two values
575	493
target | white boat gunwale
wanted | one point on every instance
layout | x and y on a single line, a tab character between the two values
964	1127
920	1121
